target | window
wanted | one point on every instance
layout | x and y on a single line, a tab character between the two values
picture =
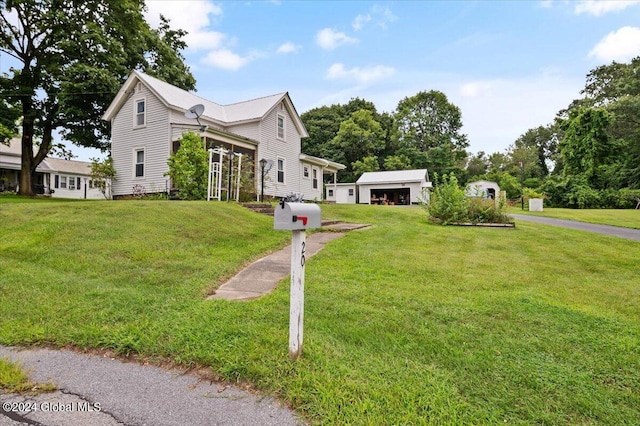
63	182
315	178
331	193
72	182
139	163
280	170
305	172
350	192
280	126
140	113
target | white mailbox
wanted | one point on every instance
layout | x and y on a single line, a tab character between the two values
296	216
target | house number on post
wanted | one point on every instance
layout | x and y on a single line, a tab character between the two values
296	304
297	217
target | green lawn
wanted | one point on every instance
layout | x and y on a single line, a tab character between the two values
623	218
405	322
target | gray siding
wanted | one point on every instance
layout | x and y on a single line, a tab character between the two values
271	148
154	138
248	130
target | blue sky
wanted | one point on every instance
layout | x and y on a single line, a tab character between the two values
508	65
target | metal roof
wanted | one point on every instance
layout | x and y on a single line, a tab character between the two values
180	99
393	176
13	161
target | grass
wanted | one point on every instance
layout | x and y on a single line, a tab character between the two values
623	218
13	379
406	322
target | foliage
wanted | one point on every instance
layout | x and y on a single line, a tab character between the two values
102	175
586	147
448	202
73	58
359	136
188	168
427	122
367	164
397	162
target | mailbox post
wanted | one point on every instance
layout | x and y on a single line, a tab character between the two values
297	217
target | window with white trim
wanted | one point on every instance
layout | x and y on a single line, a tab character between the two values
350	192
72	182
140	112
305	171
63	182
139	163
280	170
315	178
280	126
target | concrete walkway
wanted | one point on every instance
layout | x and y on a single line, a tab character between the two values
628	233
263	275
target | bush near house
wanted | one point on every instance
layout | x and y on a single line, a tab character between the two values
449	204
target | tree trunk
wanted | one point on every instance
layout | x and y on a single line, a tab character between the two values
27	166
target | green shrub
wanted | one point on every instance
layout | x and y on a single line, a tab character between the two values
450	204
188	168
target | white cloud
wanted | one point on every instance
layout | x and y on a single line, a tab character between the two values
226	59
377	15
193	16
360	75
600	7
288	47
329	39
359	21
621	45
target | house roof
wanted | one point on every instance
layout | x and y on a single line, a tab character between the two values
182	100
13	161
393	176
68	166
329	165
14	147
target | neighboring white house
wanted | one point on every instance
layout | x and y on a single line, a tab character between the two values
483	189
54	176
341	193
148	118
396	187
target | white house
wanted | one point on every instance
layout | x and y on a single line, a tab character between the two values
148	118
483	189
395	187
54	176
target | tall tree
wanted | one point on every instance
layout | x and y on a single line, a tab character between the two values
359	136
586	147
428	123
73	57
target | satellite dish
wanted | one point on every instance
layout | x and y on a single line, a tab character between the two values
195	111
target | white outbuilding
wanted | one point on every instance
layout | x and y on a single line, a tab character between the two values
341	193
396	187
483	189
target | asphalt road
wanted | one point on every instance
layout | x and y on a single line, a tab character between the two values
99	391
628	233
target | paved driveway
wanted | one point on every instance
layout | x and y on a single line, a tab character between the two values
628	233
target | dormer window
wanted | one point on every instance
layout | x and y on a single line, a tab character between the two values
280	126
140	118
